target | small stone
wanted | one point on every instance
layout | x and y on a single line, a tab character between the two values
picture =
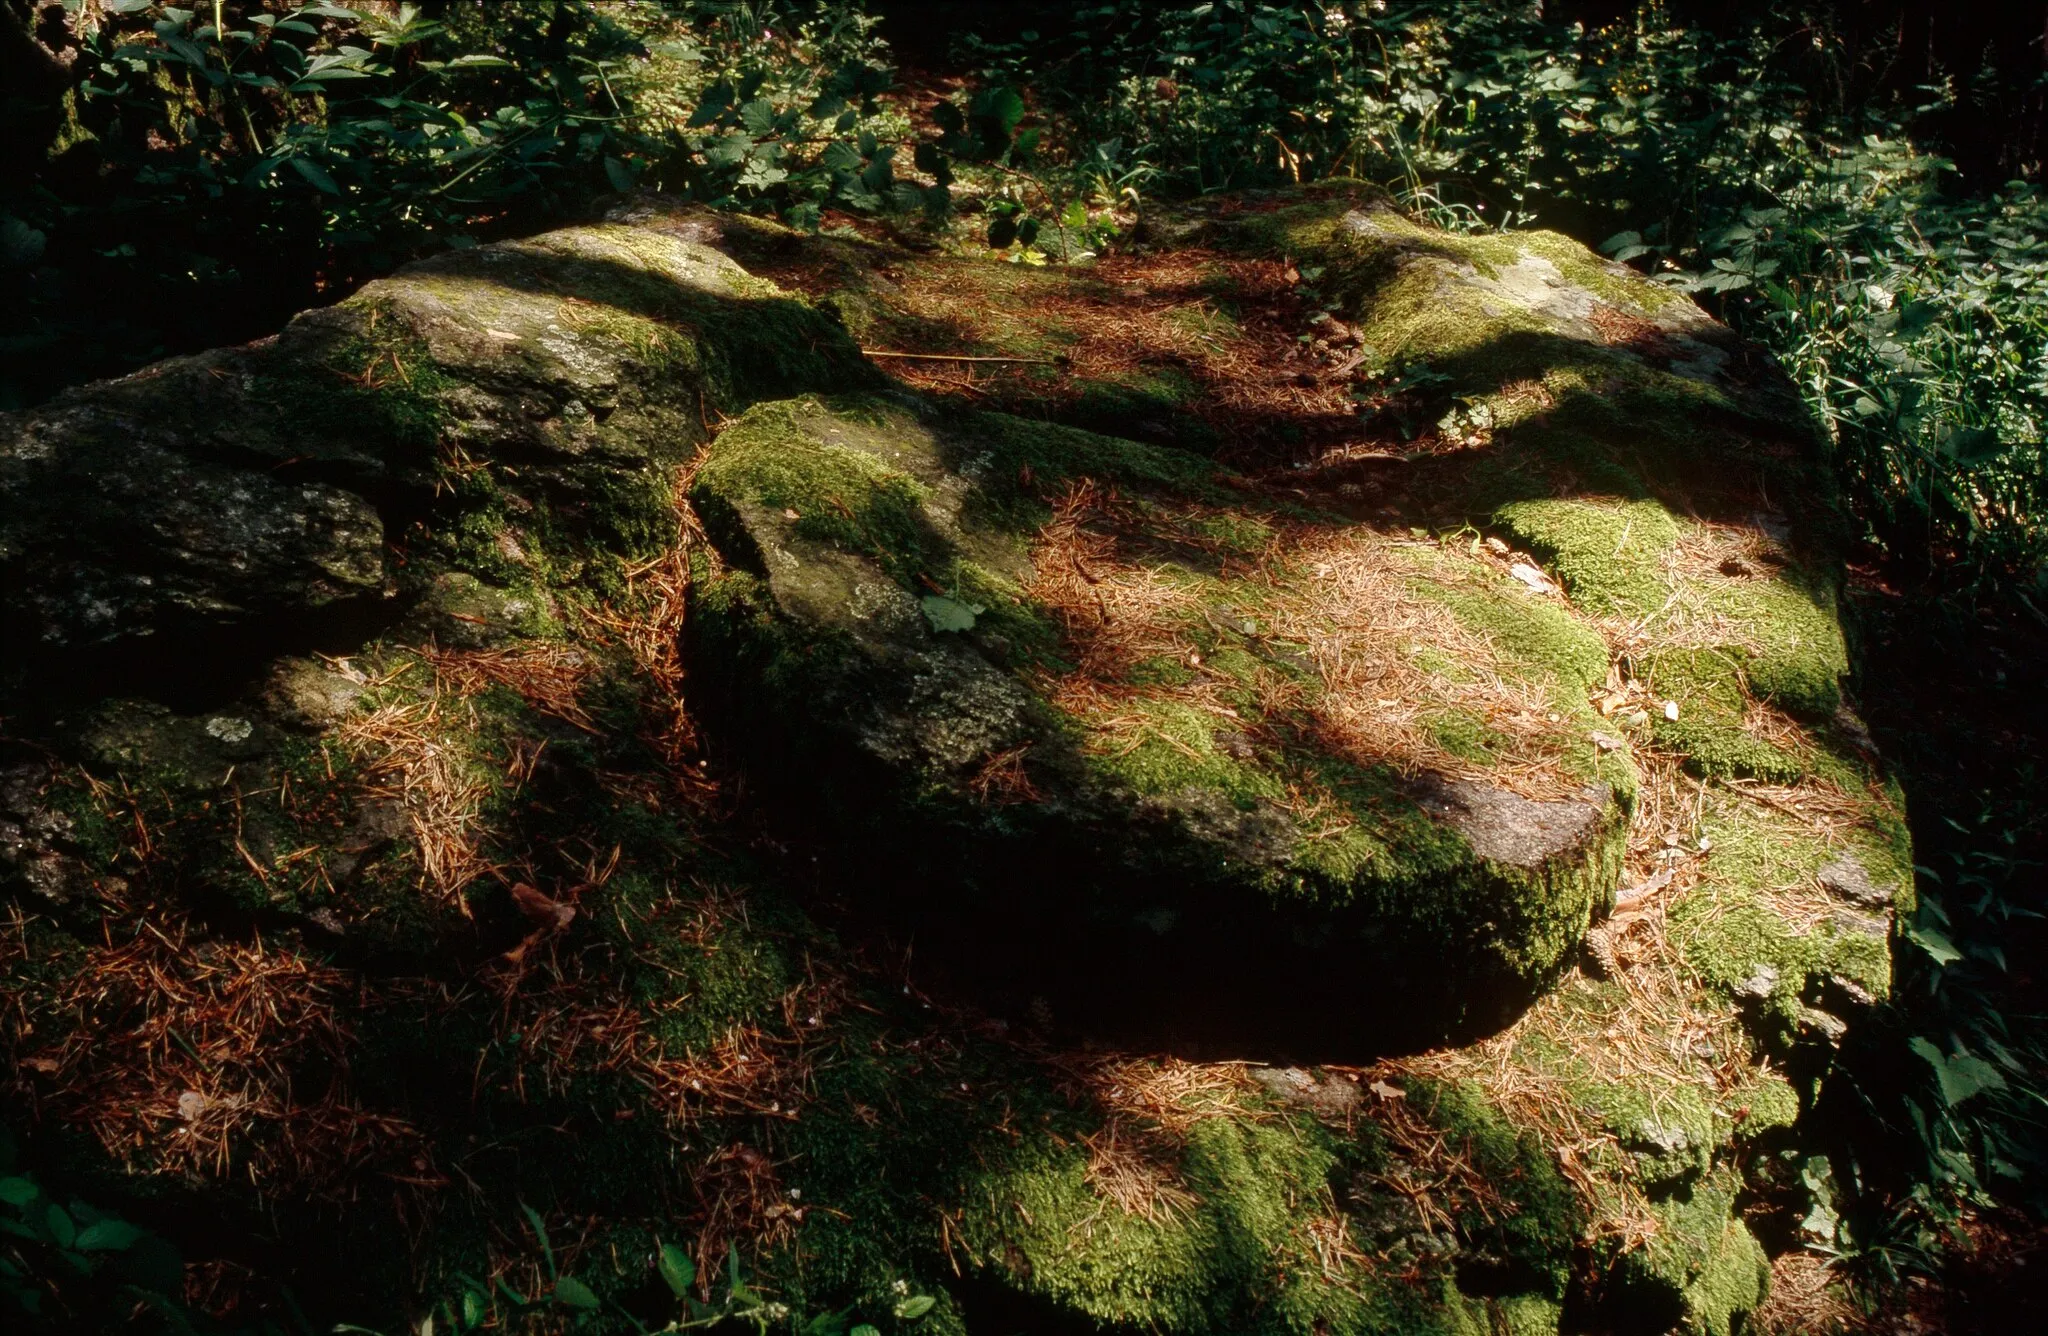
1860	925
1848	988
1827	1025
1671	710
1665	1140
1759	986
1294	1085
1846	878
1608	742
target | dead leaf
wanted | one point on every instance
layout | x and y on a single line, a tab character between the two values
550	913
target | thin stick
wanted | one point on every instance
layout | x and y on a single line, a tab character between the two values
946	357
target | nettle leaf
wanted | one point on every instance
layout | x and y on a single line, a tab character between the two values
107	1236
20	244
716	102
575	1294
758	117
316	175
950	614
1973	445
678	1272
18	1191
828	1324
1935	943
1962	1075
728	150
915	1307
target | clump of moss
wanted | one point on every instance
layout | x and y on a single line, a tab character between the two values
1708	687
1733	938
1527	1248
839	495
1792	651
1168	747
702	968
1610	555
1703	1273
1716	748
1538	635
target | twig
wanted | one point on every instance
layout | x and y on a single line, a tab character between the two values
947	357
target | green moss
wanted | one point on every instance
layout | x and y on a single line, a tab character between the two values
1005	450
1539	637
1791	645
840	495
1530	1247
1703	1272
1239	532
382	385
1169	747
1015	631
702	969
1726	930
1770	1104
1524	1315
1715	747
1467	736
1609	554
1669	1129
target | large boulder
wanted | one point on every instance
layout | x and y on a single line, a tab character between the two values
1084	684
1422	599
1146	738
521	399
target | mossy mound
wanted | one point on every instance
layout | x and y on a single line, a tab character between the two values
450	952
1091	690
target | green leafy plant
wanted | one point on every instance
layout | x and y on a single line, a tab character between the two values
67	1263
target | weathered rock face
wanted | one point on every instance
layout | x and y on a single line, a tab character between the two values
1298	724
1121	716
517	395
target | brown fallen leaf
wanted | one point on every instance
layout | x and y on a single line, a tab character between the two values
553	915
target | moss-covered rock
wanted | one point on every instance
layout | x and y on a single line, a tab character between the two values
1251	727
1090	688
509	410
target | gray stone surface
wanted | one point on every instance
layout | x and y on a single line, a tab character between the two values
1847	878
